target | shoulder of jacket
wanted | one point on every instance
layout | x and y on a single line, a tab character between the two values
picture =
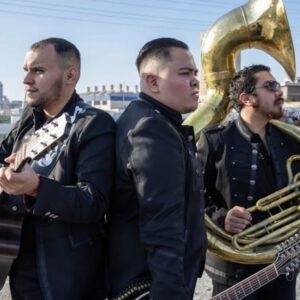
214	129
27	116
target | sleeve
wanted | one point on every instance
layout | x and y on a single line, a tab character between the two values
7	143
10	204
214	202
157	162
90	176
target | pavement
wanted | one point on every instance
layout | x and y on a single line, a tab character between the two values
203	290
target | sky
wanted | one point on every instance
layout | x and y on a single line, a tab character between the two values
109	34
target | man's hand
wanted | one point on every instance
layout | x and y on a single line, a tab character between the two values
237	219
24	182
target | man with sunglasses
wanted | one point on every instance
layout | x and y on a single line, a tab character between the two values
244	161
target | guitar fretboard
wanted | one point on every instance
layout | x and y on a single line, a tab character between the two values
249	285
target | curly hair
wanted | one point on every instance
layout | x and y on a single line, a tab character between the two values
244	81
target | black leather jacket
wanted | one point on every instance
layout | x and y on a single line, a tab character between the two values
65	221
238	171
156	228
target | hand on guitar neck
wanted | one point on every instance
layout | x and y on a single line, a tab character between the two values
17	179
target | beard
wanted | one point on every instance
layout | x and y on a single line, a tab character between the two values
276	113
53	95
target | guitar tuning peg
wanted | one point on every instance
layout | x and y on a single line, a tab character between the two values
34	152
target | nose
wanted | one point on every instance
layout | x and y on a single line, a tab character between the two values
28	79
195	82
279	92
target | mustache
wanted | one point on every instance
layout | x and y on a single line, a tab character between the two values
279	99
31	89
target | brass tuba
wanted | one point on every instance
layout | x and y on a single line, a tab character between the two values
260	24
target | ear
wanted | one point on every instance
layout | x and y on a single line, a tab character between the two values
247	99
151	81
71	75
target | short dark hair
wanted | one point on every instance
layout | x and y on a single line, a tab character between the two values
67	51
244	81
159	48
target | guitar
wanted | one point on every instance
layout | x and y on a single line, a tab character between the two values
35	147
287	262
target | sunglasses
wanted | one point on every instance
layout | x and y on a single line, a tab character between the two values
271	85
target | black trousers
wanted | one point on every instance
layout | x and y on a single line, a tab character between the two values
23	279
278	289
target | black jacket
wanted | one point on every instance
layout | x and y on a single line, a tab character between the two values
238	171
156	229
68	214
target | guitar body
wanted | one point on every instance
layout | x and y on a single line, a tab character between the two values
10	232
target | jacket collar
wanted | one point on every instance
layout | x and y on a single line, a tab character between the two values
246	132
171	114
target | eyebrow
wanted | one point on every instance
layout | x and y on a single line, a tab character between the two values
25	67
188	69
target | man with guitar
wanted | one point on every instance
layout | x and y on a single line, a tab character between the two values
244	161
56	183
157	240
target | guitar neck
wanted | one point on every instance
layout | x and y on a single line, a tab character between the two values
20	158
249	285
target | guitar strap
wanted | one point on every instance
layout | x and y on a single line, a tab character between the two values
45	165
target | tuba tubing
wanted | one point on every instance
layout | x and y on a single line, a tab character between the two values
258	24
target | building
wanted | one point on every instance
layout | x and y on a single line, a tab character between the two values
112	100
1	91
291	91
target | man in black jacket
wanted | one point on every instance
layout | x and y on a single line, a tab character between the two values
64	195
157	240
244	161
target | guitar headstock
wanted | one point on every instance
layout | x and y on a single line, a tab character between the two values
288	256
42	141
